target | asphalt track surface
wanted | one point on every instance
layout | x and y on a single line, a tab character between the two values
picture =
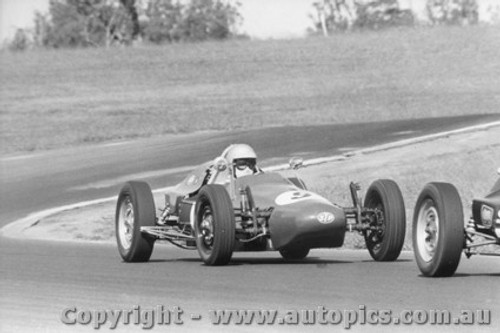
39	279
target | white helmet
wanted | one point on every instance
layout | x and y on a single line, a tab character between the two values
239	151
243	157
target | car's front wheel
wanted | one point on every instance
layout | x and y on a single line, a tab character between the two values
438	231
214	225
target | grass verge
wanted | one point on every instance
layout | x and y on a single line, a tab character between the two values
52	99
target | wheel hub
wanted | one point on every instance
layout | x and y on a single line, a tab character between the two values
207	230
376	234
427	230
126	224
430	232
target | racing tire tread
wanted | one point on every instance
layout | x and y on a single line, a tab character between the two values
392	201
144	215
224	225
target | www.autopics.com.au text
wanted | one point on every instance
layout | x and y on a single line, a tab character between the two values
160	315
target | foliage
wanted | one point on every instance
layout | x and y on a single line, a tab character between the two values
381	14
79	23
333	15
20	41
453	12
341	15
209	19
82	23
130	8
198	20
164	18
42	30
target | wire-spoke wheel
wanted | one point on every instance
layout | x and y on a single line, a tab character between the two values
126	223
214	225
135	208
385	240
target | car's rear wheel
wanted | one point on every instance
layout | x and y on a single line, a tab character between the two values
135	208
214	225
295	253
438	231
386	240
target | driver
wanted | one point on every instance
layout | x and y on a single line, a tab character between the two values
243	159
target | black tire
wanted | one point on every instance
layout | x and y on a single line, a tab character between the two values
296	253
438	208
214	225
135	206
298	182
386	244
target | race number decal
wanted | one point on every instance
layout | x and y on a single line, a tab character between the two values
290	197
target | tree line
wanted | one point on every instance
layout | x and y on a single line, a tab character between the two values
343	15
84	23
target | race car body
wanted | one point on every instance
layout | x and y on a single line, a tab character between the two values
217	212
486	212
299	217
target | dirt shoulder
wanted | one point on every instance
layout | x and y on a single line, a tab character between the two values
468	160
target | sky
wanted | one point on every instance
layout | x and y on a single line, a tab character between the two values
16	14
276	18
262	18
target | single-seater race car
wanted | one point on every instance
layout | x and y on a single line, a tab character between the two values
439	234
229	204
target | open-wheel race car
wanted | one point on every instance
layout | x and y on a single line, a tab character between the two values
229	204
439	234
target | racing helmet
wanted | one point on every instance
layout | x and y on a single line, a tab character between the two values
243	158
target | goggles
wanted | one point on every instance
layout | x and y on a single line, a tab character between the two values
242	164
